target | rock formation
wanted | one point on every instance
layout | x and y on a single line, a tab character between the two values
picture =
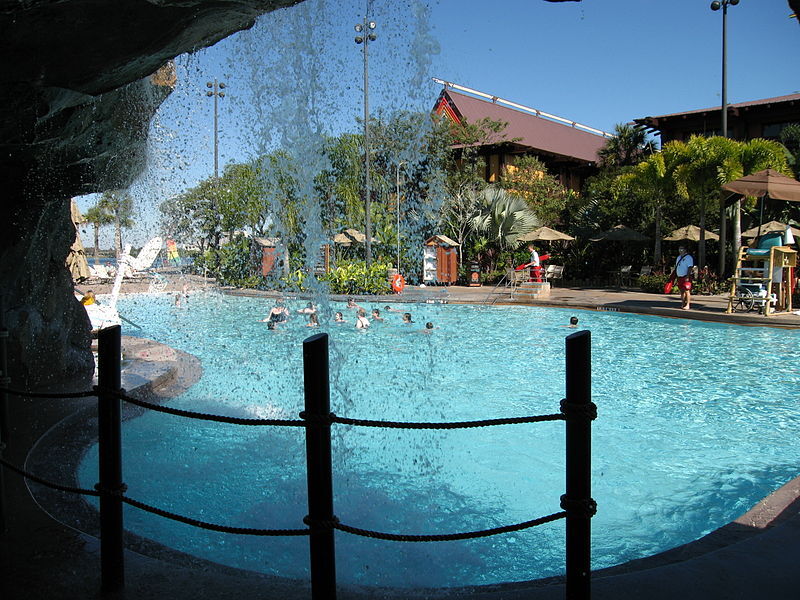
79	82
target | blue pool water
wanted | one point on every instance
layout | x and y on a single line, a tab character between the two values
697	422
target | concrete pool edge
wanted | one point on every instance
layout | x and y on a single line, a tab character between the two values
776	511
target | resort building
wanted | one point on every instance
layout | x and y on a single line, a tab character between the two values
746	120
568	149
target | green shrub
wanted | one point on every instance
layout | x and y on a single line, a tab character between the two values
653	284
353	277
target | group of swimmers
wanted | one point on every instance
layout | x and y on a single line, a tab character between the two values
280	314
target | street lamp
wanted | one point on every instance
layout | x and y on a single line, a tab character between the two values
397	207
366	35
215	90
716	5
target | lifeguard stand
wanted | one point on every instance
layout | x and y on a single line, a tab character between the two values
756	271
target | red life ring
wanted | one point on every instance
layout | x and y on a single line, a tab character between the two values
398	283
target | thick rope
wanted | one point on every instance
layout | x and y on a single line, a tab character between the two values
454	425
50	484
212	526
24	394
587	410
445	537
201	416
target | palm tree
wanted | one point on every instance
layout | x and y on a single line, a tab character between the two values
628	147
651	180
503	217
119	205
700	166
98	216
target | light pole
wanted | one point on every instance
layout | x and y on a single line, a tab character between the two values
366	35
397	207
716	5
215	90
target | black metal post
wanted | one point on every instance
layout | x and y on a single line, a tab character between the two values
319	469
577	501
5	381
110	450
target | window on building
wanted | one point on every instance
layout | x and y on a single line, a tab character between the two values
772	131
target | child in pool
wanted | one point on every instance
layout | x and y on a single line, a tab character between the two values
362	322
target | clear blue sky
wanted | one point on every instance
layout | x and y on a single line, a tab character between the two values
298	73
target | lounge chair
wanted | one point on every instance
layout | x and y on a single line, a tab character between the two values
554	272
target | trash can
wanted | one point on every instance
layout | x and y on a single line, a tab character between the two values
474	274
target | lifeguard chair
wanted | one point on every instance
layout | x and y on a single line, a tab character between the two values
757	269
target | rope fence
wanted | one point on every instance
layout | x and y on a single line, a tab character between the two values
578	507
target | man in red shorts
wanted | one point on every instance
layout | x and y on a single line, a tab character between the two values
683	271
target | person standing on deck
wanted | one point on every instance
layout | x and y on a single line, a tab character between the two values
683	270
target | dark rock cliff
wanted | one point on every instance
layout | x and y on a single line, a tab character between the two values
79	83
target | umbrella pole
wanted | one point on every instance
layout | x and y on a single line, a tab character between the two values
760	218
722	236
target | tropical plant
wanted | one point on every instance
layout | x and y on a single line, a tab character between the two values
503	217
98	216
651	181
629	146
119	204
790	138
528	178
355	278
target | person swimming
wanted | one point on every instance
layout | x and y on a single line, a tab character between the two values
376	315
361	321
388	308
313	320
352	303
278	313
407	318
339	318
573	322
308	310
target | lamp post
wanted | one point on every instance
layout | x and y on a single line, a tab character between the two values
716	5
215	90
366	35
397	207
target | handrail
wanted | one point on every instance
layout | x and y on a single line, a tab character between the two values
576	503
494	289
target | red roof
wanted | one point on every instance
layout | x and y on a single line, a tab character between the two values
765	101
532	131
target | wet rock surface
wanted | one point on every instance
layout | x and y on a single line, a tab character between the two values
79	83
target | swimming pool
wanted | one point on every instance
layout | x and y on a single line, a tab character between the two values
694	427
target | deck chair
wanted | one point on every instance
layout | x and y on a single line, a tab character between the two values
139	266
625	275
554	272
645	270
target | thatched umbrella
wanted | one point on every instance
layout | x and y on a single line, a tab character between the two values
620	233
769	228
76	259
544	234
690	233
350	236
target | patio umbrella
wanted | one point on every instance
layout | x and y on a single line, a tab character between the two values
766	183
544	234
620	233
690	233
769	228
348	236
76	259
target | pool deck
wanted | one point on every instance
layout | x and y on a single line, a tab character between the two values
755	556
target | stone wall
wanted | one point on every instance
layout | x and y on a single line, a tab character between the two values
79	83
